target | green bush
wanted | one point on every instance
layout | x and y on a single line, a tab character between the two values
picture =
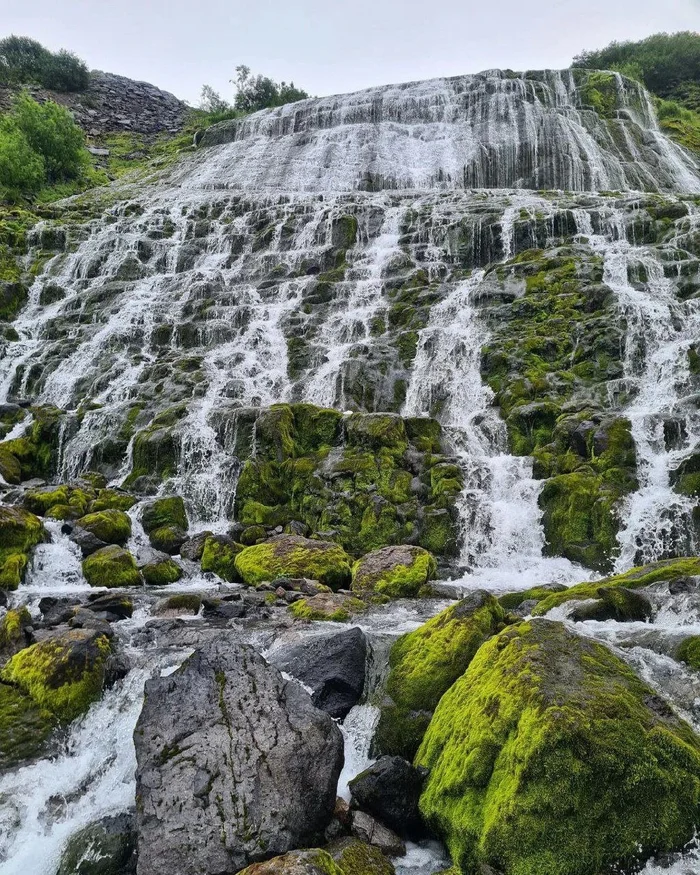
24	60
21	169
51	133
260	92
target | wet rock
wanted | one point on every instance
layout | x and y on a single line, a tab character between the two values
88	542
20	532
226	749
294	556
108	526
25	727
334	606
311	862
390	789
193	548
333	666
161	572
114	606
15	633
364	827
111	567
217	609
219	556
615	603
106	847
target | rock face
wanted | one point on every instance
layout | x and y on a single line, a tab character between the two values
549	754
390	789
397	572
226	749
333	666
425	663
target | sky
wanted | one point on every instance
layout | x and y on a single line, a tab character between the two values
330	47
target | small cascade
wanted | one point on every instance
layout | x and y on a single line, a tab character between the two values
350	325
660	329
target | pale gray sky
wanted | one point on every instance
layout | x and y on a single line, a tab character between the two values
328	46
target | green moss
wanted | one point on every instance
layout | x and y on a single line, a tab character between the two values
309	862
689	652
550	755
11	626
10	468
394	572
24	727
36	451
644	575
185	602
110	526
63	675
219	556
315	608
169	539
599	90
164	512
111	567
426	662
294	556
161	573
359	858
20	532
112	499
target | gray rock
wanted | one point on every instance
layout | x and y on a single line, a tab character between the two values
226	750
333	666
390	789
364	827
106	847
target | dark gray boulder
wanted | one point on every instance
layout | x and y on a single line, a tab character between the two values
106	847
333	666
390	789
235	765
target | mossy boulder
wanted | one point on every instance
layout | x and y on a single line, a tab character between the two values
168	539
182	603
688	651
111	567
219	557
294	556
63	674
25	727
356	857
20	532
550	755
164	512
161	572
425	663
396	572
614	603
59	502
10	468
331	606
112	499
13	627
636	578
110	526
311	862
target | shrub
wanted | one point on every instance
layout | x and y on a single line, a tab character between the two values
24	60
50	131
64	71
261	92
21	169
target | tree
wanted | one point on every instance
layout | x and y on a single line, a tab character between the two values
24	60
211	101
64	71
22	170
260	92
50	131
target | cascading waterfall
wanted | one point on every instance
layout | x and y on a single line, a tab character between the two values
235	284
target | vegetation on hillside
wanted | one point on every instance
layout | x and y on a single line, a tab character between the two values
669	66
25	61
253	92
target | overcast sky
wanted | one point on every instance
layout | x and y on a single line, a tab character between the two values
327	46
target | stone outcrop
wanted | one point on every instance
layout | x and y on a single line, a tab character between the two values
226	751
114	103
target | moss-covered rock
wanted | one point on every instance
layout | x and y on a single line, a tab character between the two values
161	572
60	502
668	569
37	450
25	728
330	606
63	674
111	567
397	572
311	862
688	651
20	532
550	755
112	499
13	627
425	663
110	526
219	556
294	556
168	539
182	603
10	468
164	512
615	603
355	857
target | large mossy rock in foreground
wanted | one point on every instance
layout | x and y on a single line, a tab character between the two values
20	531
396	572
111	567
425	663
550	755
235	764
294	556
